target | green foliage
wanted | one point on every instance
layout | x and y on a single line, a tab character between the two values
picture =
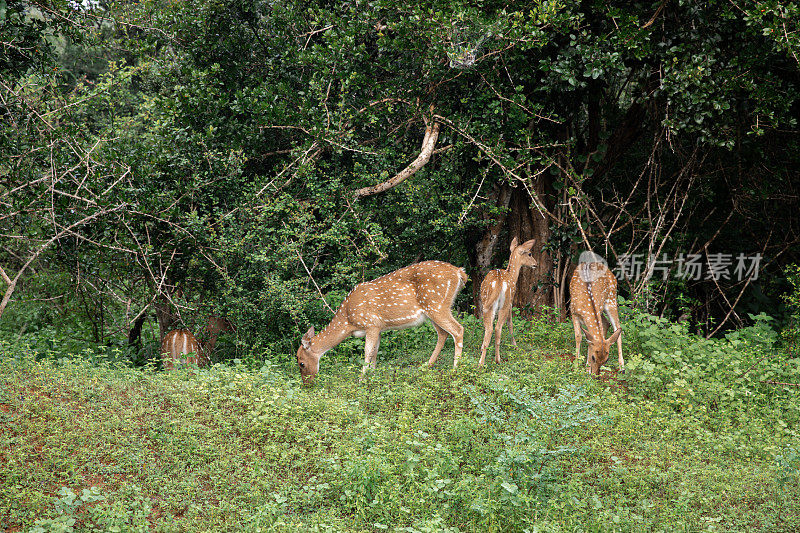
791	333
215	146
528	470
528	445
690	372
128	511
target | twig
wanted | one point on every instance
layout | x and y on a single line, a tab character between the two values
655	15
732	307
743	374
770	382
314	282
477	191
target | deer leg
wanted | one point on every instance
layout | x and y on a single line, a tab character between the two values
613	316
372	341
447	322
511	322
576	325
502	317
488	326
440	340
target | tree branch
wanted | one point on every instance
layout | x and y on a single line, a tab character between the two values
321	296
12	283
428	144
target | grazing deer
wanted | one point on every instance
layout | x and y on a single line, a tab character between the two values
593	290
180	344
497	296
215	326
402	299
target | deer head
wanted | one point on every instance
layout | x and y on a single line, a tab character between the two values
599	349
215	326
521	254
306	359
593	305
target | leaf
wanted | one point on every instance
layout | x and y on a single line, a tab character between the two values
511	488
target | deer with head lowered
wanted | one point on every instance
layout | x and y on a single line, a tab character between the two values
401	299
497	296
180	345
593	291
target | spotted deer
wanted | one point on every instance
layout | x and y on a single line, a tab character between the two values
401	299
497	296
180	345
593	290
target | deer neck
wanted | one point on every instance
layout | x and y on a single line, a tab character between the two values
334	333
595	310
512	274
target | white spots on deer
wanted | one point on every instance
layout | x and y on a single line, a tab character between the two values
587	315
497	295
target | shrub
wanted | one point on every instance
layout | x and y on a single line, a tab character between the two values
668	362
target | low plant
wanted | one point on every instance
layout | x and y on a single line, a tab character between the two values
741	370
528	445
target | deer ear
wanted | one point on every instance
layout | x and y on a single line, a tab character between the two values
307	337
527	245
589	336
513	244
614	336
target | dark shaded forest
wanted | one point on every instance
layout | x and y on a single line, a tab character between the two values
162	161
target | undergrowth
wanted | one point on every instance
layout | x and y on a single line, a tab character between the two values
694	438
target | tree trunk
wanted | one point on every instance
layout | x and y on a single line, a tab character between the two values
167	321
534	287
135	334
484	249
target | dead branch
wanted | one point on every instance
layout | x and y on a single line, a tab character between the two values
428	144
770	382
731	307
44	246
314	282
655	15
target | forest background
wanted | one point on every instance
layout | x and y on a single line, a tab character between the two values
164	161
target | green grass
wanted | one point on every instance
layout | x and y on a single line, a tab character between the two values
530	445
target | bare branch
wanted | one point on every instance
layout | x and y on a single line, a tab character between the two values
428	144
314	282
655	15
65	231
509	172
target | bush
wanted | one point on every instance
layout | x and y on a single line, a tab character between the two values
791	333
668	362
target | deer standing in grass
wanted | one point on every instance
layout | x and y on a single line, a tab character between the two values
182	346
497	296
593	290
402	299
